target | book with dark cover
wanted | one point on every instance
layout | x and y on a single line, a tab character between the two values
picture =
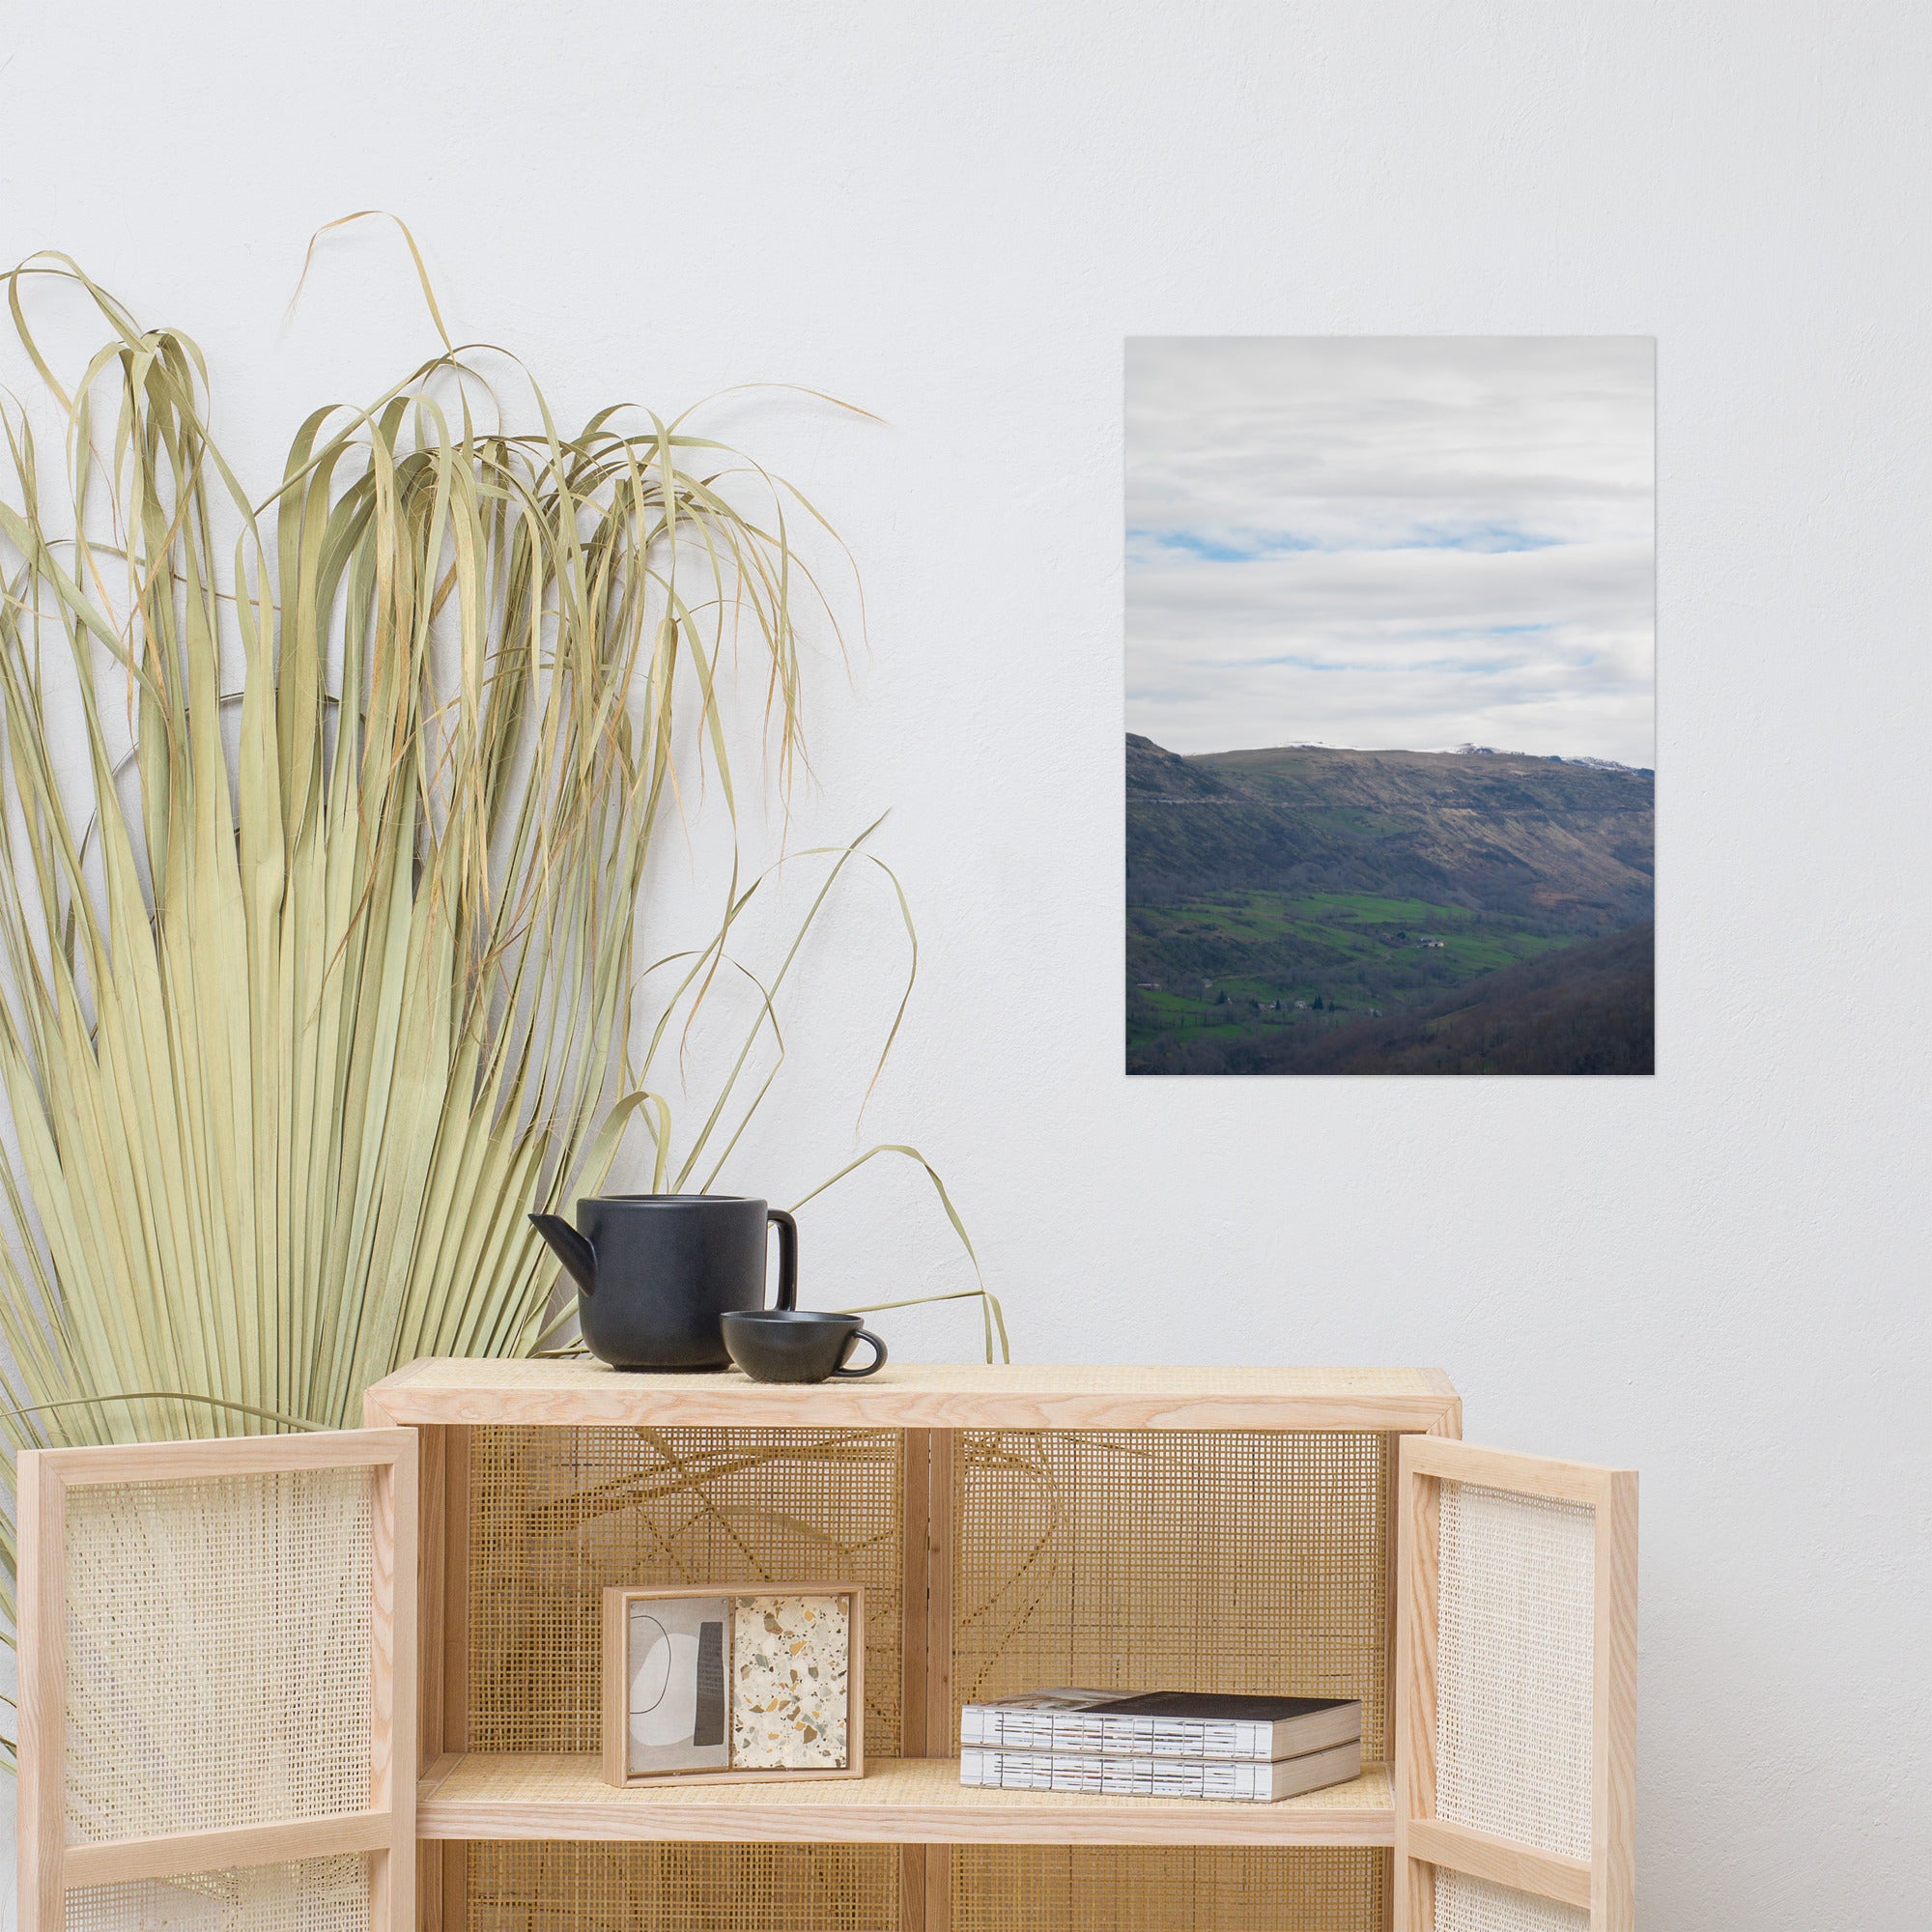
1162	1723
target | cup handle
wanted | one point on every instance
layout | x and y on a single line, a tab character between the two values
872	1367
787	1256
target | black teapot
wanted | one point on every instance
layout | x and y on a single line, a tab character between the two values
655	1272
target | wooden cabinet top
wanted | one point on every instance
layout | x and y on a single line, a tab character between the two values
918	1395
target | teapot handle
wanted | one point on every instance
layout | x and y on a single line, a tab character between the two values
787	1258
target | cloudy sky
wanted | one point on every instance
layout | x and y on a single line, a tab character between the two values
1383	541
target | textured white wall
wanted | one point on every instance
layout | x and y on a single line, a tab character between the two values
954	216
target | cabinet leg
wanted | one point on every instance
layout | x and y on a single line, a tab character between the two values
938	1888
912	1889
925	1889
442	1872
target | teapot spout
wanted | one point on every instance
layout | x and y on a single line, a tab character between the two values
570	1248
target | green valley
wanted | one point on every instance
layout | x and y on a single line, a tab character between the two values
1238	962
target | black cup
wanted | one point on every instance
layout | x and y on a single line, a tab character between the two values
789	1345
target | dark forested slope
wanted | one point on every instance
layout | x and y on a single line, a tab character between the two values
1587	1009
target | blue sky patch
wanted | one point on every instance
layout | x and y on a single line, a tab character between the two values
1152	546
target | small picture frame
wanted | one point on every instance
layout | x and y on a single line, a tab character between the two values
748	1683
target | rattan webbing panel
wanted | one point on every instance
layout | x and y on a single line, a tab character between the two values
1465	1904
557	1513
1514	1667
217	1654
1250	1561
314	1895
1109	1888
539	1887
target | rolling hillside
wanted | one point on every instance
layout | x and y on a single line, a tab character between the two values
1543	838
1280	900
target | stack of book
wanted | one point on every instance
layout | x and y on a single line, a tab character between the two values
1163	1743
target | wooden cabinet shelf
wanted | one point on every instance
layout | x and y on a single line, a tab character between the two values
580	1393
1320	1531
898	1802
1206	1528
1220	1528
424	1595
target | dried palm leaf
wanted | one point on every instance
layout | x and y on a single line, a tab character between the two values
319	972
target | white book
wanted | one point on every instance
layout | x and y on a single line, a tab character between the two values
1230	1782
1162	1723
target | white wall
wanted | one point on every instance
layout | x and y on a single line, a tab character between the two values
954	216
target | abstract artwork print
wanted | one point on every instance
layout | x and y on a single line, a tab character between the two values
679	1701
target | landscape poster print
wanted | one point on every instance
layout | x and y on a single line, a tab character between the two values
1390	628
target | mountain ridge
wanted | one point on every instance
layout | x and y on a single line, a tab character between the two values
1548	838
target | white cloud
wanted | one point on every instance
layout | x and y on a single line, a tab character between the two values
1382	542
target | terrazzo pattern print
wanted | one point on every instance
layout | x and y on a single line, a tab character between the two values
790	1659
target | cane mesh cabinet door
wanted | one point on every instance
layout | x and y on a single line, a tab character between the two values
1515	1692
217	1696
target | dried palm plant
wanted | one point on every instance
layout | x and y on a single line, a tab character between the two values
318	971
